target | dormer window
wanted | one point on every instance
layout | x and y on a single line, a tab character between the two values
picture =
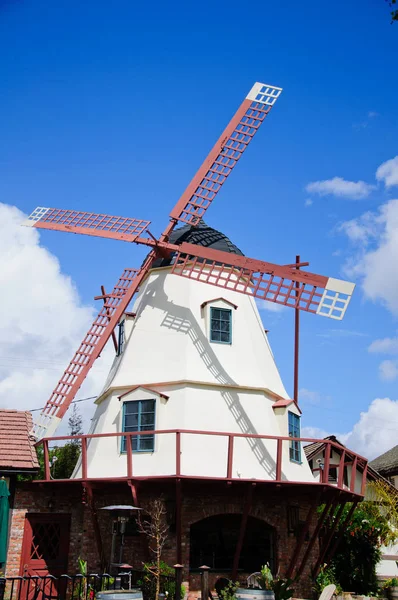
139	415
121	338
220	325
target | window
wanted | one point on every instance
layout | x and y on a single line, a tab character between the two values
294	431
120	342
220	325
139	415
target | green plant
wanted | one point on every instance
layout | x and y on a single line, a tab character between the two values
265	578
359	551
326	576
282	589
229	591
389	583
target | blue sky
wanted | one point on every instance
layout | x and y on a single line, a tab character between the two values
111	107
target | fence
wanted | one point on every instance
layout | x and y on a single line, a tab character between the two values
80	587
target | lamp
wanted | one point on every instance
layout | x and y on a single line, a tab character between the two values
121	513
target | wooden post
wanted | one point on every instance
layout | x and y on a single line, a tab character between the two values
353	474
178	453
84	458
328	540
178	521
278	474
326	463
129	452
178	576
340	479
296	339
230	456
46	458
204	582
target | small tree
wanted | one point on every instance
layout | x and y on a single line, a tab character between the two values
155	527
75	423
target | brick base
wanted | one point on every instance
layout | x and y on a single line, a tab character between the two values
199	500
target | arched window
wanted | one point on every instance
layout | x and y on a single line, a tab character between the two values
213	542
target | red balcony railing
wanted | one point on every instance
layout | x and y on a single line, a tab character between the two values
351	468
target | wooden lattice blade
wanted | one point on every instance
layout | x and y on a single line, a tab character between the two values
74	221
225	154
284	285
90	348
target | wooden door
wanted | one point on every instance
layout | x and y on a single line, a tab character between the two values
45	550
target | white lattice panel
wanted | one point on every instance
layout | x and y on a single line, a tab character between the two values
264	93
335	298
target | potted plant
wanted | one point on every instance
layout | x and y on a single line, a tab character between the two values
391	588
265	590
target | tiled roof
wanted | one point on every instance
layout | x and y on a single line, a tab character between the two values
312	449
387	463
17	451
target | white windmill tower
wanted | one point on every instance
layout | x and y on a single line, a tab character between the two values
194	391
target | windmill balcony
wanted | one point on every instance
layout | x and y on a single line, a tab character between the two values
208	455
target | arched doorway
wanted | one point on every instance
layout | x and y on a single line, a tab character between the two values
213	542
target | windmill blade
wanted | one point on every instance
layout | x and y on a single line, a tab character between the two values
284	285
74	221
234	140
90	348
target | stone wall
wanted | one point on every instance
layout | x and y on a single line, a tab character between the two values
199	500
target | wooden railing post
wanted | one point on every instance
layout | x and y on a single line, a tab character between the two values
340	479
364	476
84	458
278	473
353	474
178	575
46	457
230	456
204	582
326	463
129	451
178	453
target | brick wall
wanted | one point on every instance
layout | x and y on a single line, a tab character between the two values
198	502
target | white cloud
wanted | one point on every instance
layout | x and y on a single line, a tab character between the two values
308	202
375	237
388	172
355	190
384	346
374	433
309	396
388	370
373	114
42	320
270	306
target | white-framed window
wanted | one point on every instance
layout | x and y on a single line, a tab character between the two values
139	415
220	325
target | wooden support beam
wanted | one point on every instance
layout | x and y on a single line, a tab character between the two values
242	530
301	538
353	474
133	489
329	537
330	554
178	521
278	472
230	456
313	539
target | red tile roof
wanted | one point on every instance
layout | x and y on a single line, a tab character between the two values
17	451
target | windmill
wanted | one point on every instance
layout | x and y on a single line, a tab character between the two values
286	285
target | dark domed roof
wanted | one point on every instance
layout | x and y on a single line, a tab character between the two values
201	235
